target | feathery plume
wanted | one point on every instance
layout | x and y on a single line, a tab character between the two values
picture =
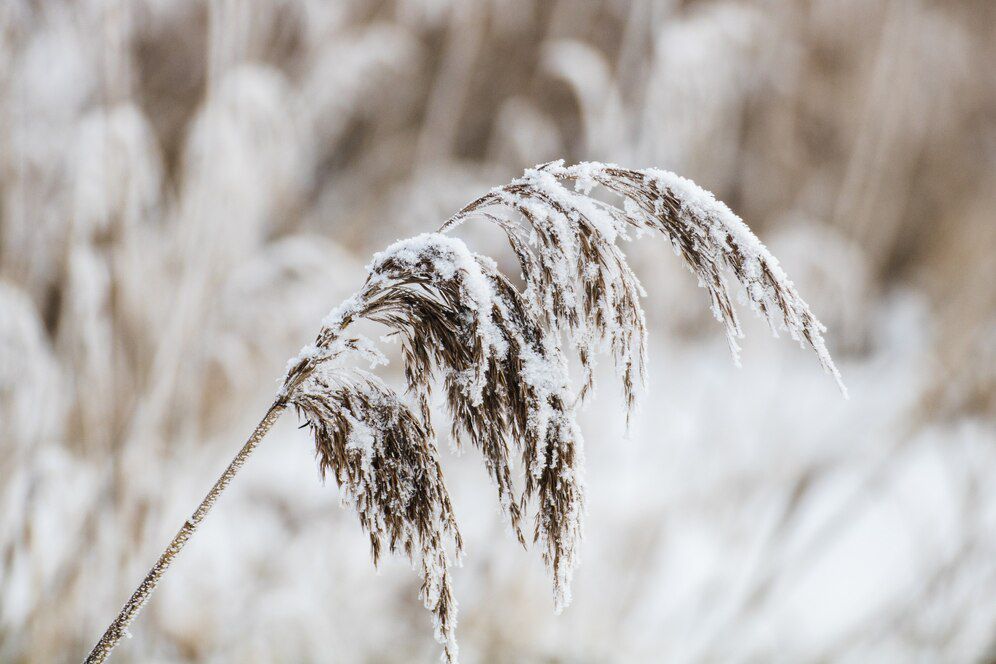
500	356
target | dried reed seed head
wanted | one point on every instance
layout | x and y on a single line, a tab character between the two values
383	457
499	354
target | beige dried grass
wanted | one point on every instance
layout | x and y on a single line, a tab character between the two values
501	355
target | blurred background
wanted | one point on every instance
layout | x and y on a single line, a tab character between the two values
187	186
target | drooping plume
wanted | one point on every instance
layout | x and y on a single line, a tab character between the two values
499	354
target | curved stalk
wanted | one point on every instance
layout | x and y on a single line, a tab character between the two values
501	356
119	627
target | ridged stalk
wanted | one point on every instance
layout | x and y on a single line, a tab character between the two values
119	627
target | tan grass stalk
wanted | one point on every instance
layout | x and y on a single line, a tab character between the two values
501	356
119	628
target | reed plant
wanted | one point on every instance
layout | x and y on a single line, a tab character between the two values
500	350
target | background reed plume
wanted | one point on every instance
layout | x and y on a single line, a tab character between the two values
500	354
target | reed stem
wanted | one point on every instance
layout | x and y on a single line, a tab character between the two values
119	627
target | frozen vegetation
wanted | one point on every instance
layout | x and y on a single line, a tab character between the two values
186	189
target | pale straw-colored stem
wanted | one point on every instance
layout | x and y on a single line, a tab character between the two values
119	627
